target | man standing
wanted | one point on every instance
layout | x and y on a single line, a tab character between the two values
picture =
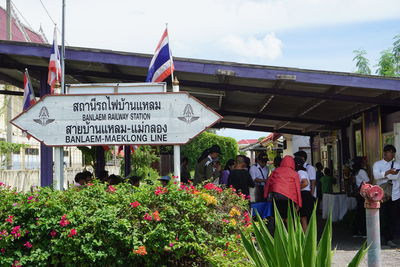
312	174
386	172
205	169
259	173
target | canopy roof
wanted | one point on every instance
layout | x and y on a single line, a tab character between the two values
252	97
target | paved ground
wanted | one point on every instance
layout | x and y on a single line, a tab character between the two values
347	246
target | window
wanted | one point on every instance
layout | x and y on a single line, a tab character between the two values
31	151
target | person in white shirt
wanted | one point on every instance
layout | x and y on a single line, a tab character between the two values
361	176
259	173
387	171
312	173
305	187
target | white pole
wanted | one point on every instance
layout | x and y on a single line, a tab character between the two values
177	148
59	151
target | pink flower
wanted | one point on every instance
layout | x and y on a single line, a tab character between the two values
89	184
171	244
147	217
3	250
111	189
225	221
15	204
64	222
72	232
135	204
28	245
16	231
209	186
16	264
2	184
53	233
10	219
30	197
160	190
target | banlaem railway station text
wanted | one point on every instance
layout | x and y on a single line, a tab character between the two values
117	105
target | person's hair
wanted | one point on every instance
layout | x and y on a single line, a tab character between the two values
328	172
319	165
103	175
204	155
301	153
357	165
247	161
299	164
114	179
229	163
79	176
277	161
87	174
134	179
389	148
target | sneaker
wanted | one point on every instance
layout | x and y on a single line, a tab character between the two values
391	244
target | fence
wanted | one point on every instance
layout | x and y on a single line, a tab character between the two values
23	180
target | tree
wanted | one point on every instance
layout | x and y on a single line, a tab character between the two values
362	63
396	53
387	64
195	147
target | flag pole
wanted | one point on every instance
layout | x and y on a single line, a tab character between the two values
177	148
59	151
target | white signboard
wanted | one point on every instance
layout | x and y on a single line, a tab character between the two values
116	119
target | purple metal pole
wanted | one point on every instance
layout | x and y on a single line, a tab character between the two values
46	153
100	160
127	158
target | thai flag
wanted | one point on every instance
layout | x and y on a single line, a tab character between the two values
161	65
54	74
29	95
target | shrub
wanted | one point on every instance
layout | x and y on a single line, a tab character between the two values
195	147
290	246
101	225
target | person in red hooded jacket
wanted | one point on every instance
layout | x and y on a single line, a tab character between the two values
283	186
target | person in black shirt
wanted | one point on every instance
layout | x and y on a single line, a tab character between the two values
239	177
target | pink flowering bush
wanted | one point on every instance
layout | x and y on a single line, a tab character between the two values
99	225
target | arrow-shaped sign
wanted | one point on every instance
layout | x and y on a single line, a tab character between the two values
117	119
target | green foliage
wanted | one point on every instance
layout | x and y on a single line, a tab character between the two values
141	161
195	147
396	53
362	63
8	147
387	64
100	225
89	155
290	246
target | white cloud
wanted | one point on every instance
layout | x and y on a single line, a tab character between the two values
268	48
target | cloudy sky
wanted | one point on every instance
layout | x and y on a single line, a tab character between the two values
311	34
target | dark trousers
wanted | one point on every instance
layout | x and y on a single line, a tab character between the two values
386	220
359	224
395	223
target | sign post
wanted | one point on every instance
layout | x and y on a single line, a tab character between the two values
177	148
116	119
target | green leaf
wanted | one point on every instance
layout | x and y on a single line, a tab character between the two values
310	242
324	254
359	256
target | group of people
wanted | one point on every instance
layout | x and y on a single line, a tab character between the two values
292	179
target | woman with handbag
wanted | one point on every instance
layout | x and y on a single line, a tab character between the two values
361	176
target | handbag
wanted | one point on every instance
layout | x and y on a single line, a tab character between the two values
387	188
